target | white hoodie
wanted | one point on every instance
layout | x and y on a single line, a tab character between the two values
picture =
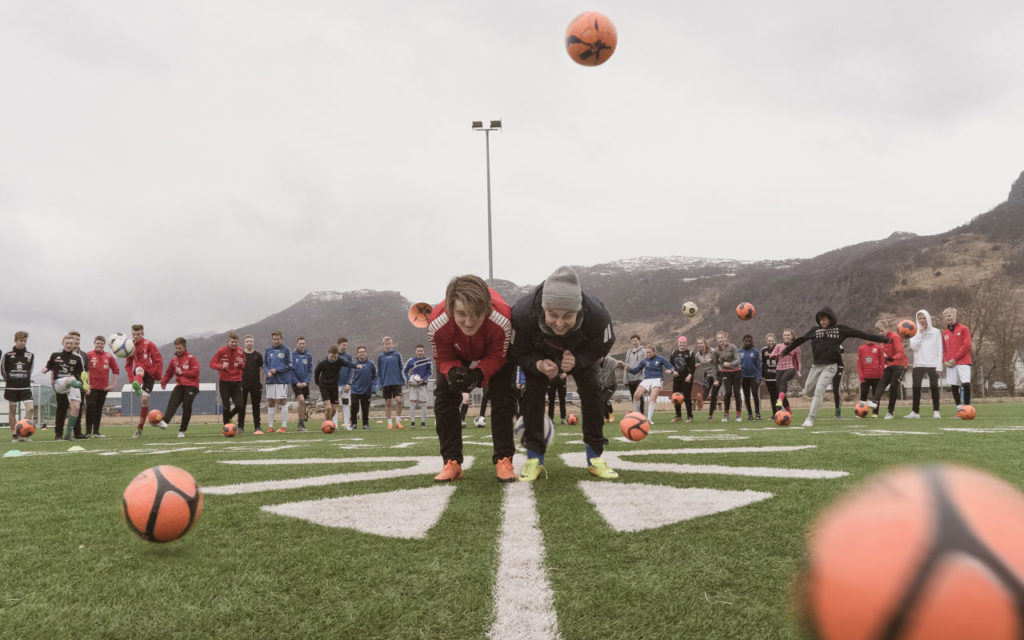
927	345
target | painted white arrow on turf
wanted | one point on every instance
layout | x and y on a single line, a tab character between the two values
638	507
407	513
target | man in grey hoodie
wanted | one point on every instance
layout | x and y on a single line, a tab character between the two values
634	356
927	347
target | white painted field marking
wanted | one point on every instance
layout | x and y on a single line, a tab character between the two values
478	444
619	461
690	450
426	465
638	507
718	436
877	432
523	597
406	513
982	429
359	447
403	445
256	449
771	429
707	430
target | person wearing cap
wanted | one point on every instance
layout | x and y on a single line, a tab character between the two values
556	329
683	367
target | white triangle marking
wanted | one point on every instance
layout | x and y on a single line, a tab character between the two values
638	507
407	513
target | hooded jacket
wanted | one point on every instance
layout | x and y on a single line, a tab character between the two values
927	345
826	343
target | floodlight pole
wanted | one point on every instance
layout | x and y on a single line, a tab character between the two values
495	126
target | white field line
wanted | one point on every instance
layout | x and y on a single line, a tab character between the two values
523	599
620	462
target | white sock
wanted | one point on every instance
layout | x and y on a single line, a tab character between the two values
650	411
389	422
344	413
284	416
271	412
334	418
636	405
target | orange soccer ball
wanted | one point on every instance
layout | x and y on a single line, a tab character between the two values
419	314
572	419
328	426
24	428
966	412
162	503
745	311
678	398
635	426
906	328
783	418
590	39
918	552
155	416
861	409
229	430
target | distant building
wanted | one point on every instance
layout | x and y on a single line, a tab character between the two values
206	403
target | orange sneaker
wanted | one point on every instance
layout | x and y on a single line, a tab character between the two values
399	425
270	429
504	470
390	427
452	471
282	429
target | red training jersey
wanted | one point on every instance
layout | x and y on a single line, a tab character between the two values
870	361
229	363
101	363
189	374
488	347
956	344
147	356
895	356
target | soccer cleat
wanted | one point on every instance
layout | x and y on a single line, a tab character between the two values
757	417
750	417
137	388
282	429
677	419
700	401
137	434
738	418
349	427
181	434
162	424
888	416
504	471
913	415
270	429
937	414
85	380
452	471
689	419
710	417
257	432
399	425
366	427
390	427
809	422
874	415
532	470
600	468
301	428
725	418
839	413
872	404
98	435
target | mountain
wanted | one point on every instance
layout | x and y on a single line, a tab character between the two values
891	277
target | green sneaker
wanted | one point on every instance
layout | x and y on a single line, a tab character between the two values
531	470
137	388
600	468
85	381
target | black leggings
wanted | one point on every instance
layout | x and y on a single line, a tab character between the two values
710	394
867	388
773	392
892	376
230	398
731	389
94	410
181	396
680	385
933	382
751	387
255	396
784	377
361	402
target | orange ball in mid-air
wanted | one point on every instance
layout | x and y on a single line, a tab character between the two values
590	39
162	503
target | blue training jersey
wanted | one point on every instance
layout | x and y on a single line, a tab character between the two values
302	366
364	381
653	368
279	359
419	366
389	368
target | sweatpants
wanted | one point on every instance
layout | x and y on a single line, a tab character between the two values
818	379
710	394
892	376
447	403
836	382
773	391
181	396
255	396
751	387
361	402
230	398
557	387
933	382
589	388
731	389
94	411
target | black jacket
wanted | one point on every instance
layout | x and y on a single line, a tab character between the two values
589	341
826	344
682	361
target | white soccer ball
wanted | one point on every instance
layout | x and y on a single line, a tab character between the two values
480	421
689	309
519	431
415	380
121	345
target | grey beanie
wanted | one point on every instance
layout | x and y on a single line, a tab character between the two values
562	291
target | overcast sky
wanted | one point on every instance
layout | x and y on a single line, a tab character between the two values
197	166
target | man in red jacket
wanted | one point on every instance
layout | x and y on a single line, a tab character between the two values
102	364
896	364
870	364
956	355
229	363
185	368
469	333
143	368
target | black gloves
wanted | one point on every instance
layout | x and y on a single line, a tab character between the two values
464	378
